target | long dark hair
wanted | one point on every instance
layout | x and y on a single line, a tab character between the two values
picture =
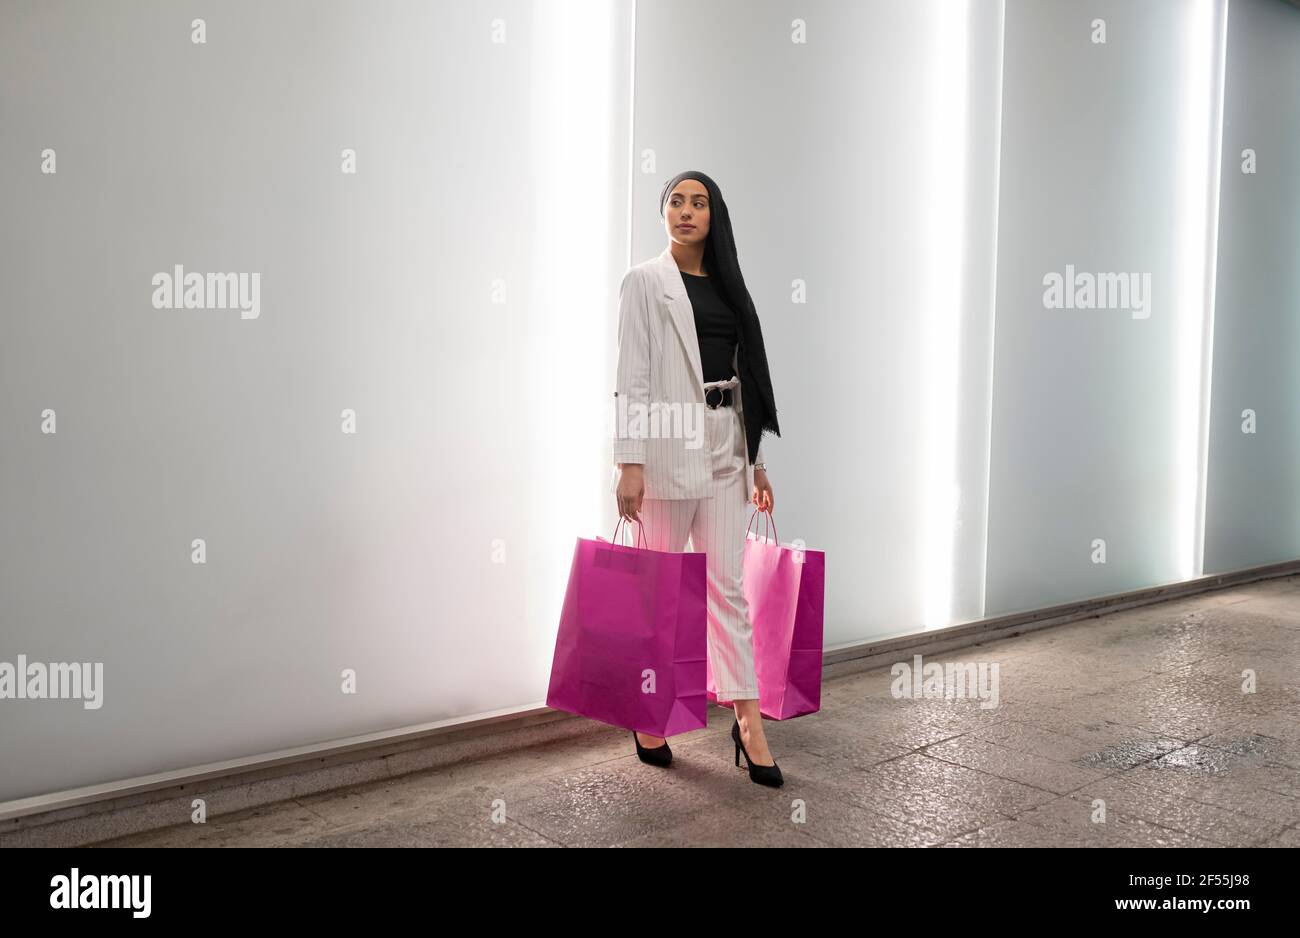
723	265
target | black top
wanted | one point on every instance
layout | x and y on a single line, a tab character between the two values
715	327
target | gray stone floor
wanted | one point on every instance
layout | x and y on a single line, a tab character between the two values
1142	709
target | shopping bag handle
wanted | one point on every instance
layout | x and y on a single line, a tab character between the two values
639	531
766	516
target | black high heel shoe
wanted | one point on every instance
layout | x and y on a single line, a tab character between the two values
659	755
762	774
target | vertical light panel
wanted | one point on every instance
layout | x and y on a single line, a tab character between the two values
577	48
981	562
942	309
1207	48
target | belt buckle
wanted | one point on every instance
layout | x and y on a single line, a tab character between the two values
721	398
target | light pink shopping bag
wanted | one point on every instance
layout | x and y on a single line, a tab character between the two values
631	649
785	590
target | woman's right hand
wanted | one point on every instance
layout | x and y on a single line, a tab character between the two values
631	487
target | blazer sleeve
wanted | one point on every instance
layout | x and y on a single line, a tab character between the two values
632	375
759	458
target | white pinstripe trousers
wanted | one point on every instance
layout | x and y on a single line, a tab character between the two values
716	527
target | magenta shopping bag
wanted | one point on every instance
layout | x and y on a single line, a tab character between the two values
785	590
632	644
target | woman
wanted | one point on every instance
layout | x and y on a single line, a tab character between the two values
688	451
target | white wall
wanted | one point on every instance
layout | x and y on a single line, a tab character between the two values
859	165
916	165
1253	510
428	550
1096	413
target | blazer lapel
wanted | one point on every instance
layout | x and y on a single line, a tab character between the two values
679	309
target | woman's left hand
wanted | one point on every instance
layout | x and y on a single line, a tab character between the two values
762	496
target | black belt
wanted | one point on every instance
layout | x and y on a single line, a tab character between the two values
711	398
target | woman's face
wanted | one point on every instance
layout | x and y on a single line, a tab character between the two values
686	213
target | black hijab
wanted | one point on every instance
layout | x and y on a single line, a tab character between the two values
721	263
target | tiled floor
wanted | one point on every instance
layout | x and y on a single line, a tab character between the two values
1142	710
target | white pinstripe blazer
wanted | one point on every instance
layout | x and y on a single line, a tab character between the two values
659	362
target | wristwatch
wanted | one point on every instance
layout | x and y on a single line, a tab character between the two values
759	465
